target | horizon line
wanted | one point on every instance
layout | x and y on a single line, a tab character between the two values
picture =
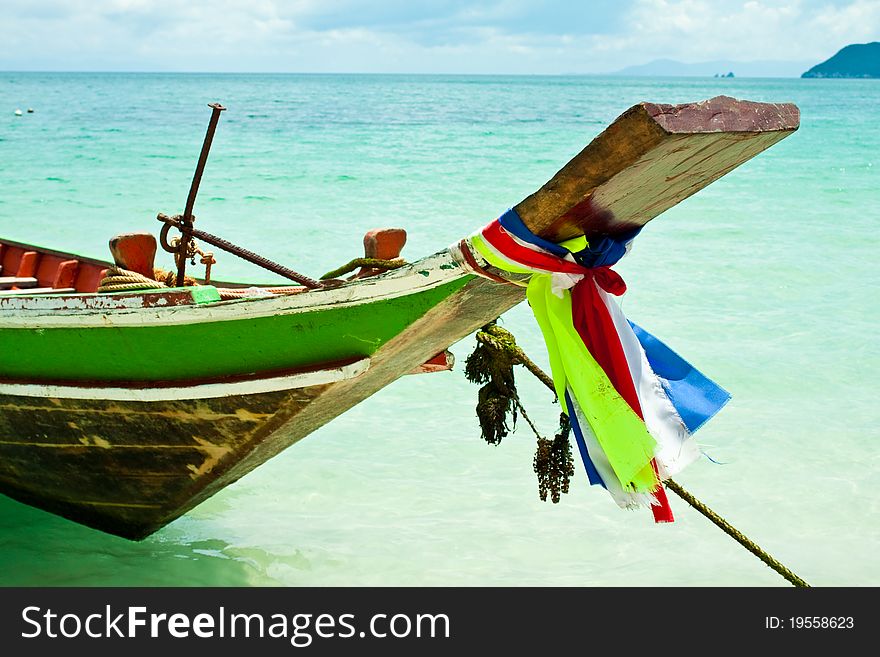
459	74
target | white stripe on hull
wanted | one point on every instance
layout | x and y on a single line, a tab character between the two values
198	391
58	311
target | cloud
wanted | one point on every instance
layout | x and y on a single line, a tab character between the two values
694	30
417	19
482	36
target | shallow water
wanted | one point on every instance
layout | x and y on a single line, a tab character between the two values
767	280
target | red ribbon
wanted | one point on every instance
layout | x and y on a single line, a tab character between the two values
596	328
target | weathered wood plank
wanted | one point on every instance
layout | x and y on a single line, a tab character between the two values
125	467
17	281
652	157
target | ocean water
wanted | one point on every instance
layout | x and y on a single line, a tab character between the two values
767	280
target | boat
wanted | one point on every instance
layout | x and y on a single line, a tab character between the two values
122	410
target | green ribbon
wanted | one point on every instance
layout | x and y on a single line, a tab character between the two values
621	433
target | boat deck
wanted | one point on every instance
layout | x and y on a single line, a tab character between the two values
24	267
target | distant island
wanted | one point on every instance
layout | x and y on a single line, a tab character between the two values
718	68
858	60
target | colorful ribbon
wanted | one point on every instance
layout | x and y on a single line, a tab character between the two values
633	403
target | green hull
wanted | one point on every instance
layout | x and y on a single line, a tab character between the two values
129	467
213	349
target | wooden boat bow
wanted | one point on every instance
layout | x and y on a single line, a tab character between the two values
165	452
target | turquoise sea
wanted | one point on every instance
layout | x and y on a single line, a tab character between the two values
767	280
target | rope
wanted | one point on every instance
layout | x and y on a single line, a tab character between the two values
119	280
495	337
372	263
498	338
228	293
735	534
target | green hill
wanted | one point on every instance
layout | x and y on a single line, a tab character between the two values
858	60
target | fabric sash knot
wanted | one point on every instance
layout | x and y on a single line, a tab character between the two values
607	279
633	403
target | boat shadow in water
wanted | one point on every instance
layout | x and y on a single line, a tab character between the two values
41	549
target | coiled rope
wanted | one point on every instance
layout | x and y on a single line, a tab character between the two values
120	280
500	346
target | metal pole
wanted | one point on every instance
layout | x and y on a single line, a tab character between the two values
186	219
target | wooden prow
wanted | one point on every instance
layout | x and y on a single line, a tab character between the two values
650	158
135	252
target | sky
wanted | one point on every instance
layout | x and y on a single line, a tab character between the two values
421	36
